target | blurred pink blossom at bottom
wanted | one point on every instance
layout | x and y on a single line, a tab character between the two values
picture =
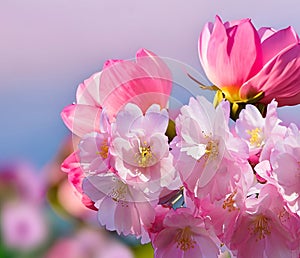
88	244
24	226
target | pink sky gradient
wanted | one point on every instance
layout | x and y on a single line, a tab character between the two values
48	47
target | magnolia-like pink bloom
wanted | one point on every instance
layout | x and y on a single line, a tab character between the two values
207	156
140	148
23	225
266	228
120	206
144	82
243	62
186	236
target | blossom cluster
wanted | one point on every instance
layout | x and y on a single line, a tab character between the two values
219	187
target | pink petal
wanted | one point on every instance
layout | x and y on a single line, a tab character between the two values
155	120
278	79
71	162
106	213
159	145
143	83
125	119
93	157
265	32
111	62
203	43
278	41
125	211
81	119
124	152
290	101
88	92
155	67
229	65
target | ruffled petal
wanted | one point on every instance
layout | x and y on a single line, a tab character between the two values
88	92
82	119
279	79
277	42
144	83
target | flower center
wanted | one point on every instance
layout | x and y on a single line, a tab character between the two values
260	227
119	190
145	156
255	137
103	152
184	239
229	202
211	149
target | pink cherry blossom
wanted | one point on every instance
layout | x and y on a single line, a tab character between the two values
23	225
184	235
120	206
283	167
266	228
208	157
224	212
256	130
140	148
269	64
88	243
22	181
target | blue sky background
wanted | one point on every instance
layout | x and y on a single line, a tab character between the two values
48	47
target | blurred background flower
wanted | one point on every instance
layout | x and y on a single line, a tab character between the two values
49	47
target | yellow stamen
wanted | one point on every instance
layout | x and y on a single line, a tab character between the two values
103	149
256	138
144	156
229	202
211	149
184	239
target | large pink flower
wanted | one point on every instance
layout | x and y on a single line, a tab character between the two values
144	82
243	62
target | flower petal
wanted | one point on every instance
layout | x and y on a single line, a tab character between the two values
278	41
229	65
88	92
278	79
143	83
81	119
